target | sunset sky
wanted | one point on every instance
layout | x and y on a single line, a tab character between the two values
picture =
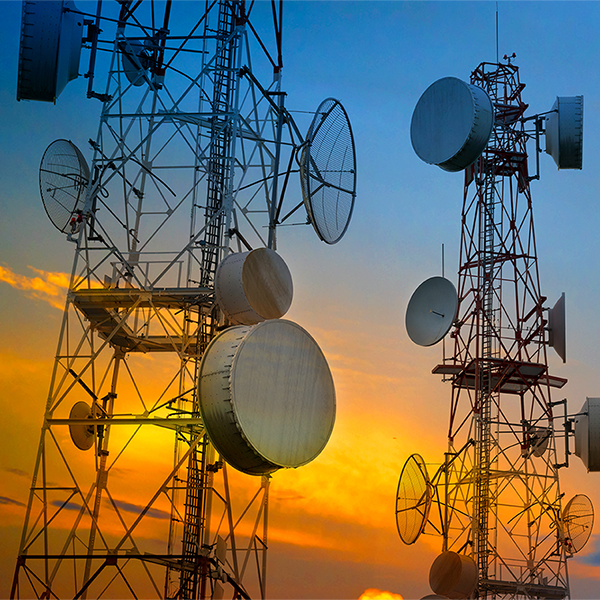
332	526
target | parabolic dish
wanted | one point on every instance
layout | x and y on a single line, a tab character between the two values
564	132
135	60
267	396
81	434
413	499
451	124
431	311
587	434
578	521
64	176
539	438
453	575
49	50
253	286
557	328
328	171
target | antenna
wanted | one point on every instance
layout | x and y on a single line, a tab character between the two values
328	171
557	328
413	499
82	435
175	261
64	176
497	53
498	487
431	311
49	50
451	124
587	440
564	132
253	286
278	409
578	522
453	575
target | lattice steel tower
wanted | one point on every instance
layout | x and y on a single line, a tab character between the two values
496	499
186	170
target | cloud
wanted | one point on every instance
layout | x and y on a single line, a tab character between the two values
18	472
154	513
375	594
5	500
46	286
68	506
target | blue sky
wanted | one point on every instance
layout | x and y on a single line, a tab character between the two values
377	58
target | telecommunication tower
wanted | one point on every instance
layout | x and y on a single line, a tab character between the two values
175	278
495	500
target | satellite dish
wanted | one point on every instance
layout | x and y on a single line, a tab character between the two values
328	171
431	311
82	435
578	522
453	575
557	328
413	499
49	50
64	175
539	439
253	286
266	396
564	132
587	434
135	59
451	124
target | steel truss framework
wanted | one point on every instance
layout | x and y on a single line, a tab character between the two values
186	167
497	500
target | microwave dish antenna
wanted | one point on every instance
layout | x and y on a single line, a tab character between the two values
253	286
64	176
82	435
328	171
413	499
431	311
587	434
135	59
451	124
498	488
557	328
578	522
564	132
267	396
50	48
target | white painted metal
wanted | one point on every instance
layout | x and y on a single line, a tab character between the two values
451	124
564	132
453	575
253	286
431	311
49	50
587	434
267	396
82	435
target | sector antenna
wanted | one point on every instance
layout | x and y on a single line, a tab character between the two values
179	391
496	503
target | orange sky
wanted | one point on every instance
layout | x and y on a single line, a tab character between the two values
333	517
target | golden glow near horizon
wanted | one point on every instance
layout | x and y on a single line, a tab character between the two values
375	594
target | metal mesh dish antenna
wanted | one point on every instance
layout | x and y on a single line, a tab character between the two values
328	171
413	499
578	521
64	176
